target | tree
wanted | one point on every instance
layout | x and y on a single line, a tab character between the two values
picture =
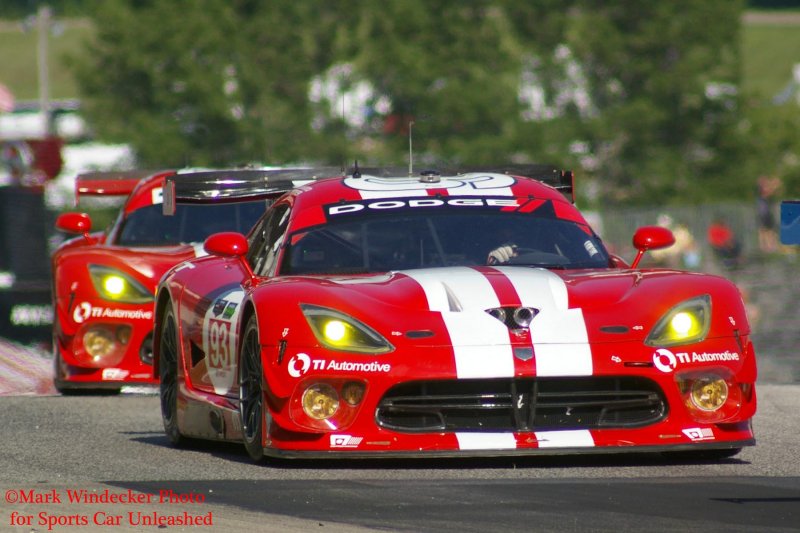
640	96
205	82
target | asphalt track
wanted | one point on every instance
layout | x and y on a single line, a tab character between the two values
109	451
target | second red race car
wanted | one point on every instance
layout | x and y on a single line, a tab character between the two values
474	313
104	281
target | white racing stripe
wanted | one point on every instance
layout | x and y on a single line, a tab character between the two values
486	441
579	438
480	342
558	334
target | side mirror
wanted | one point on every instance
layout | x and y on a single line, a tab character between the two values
651	238
790	222
80	223
226	244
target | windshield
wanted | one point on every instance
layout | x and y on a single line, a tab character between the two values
148	226
397	241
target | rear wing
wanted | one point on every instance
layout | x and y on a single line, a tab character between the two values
790	222
109	183
561	180
254	184
237	185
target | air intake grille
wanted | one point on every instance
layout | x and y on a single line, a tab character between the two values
531	404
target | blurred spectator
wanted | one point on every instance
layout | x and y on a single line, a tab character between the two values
766	192
684	253
724	243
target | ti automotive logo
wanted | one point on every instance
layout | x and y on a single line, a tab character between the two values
301	363
84	311
666	361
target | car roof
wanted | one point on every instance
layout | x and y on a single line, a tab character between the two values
383	189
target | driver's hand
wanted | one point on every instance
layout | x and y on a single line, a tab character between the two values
501	254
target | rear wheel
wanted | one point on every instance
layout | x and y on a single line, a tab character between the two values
168	377
251	392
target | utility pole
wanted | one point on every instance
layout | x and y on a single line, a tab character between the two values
43	21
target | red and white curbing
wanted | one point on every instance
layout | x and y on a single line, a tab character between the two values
24	371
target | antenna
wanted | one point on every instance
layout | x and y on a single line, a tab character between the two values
410	149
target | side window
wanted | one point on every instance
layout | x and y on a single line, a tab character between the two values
266	240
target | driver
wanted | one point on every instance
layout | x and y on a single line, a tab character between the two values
502	254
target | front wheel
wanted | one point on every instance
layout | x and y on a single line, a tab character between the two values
168	378
251	392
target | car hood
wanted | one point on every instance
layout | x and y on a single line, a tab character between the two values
149	263
571	306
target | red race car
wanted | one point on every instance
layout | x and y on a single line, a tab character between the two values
469	313
104	282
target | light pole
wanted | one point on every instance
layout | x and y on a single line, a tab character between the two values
43	20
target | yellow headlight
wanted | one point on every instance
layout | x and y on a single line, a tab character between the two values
682	324
98	342
709	394
335	330
687	322
114	285
320	401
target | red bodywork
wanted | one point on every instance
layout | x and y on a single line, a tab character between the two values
104	282
125	329
447	377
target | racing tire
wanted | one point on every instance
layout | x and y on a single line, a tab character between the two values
252	407
168	378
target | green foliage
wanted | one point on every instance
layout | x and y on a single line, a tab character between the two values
642	99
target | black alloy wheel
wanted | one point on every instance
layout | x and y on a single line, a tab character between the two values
251	392
168	377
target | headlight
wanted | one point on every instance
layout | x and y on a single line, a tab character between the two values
320	401
111	284
685	323
709	394
338	331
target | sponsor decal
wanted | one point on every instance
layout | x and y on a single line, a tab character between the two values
353	207
31	315
157	195
219	339
706	357
345	441
466	184
699	433
114	374
666	361
84	310
301	363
